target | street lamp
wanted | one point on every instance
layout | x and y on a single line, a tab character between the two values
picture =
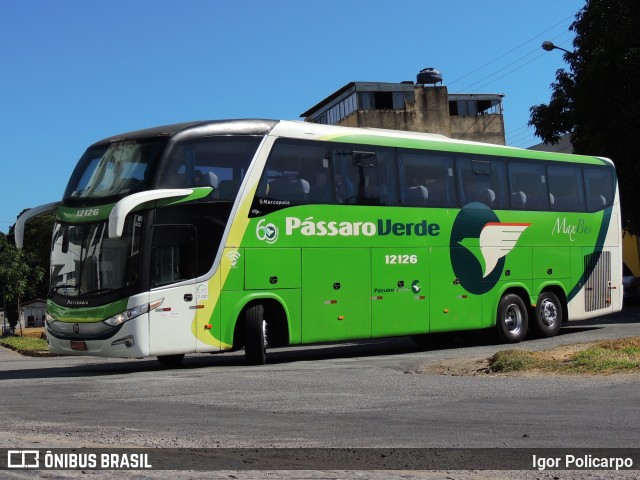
548	46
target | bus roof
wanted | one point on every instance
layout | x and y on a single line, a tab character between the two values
370	136
419	140
197	129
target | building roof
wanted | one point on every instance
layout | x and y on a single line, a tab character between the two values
32	302
351	87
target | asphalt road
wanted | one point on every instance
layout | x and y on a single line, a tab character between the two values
360	394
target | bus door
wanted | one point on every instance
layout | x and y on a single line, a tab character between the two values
173	261
335	294
400	291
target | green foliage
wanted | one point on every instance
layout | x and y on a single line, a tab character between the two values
512	360
605	357
597	101
23	272
25	345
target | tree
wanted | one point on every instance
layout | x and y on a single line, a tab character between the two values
22	272
19	277
37	247
597	101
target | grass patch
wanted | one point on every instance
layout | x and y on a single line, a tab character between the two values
25	345
513	360
604	357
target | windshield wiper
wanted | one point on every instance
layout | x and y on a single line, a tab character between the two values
97	291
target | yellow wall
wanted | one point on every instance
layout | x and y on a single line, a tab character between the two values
630	252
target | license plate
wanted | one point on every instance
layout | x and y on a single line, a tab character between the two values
78	345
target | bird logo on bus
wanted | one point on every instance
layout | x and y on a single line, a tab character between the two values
479	245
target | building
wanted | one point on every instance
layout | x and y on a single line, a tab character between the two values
413	107
4	323
32	313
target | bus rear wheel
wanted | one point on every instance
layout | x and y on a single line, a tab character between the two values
171	361
548	314
255	336
512	320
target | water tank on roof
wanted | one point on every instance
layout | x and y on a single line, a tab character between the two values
429	76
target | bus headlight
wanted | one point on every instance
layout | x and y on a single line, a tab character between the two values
132	313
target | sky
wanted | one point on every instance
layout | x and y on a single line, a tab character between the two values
73	72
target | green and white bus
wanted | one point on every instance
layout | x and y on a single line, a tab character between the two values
221	235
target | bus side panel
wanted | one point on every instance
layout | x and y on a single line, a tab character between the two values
551	266
451	306
336	294
272	268
170	326
518	265
400	303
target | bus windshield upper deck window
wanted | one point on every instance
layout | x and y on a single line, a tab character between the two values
217	162
120	169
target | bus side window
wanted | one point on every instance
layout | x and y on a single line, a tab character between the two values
426	179
173	254
599	187
482	180
297	172
365	182
528	186
566	191
174	174
210	162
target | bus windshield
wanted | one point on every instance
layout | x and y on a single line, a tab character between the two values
115	170
84	261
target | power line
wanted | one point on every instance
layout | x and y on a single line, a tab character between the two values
509	65
510	132
515	138
510	51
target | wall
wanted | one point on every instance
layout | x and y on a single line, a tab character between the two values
430	114
479	128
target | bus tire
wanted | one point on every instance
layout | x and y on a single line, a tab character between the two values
548	317
171	361
512	320
255	336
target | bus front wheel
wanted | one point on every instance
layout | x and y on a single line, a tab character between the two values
255	336
548	314
512	320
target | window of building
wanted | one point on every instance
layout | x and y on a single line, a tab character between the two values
383	100
473	107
